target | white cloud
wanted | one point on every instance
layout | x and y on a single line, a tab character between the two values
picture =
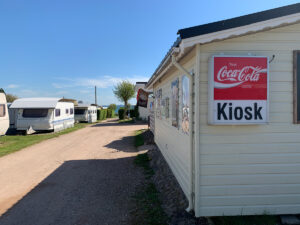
101	82
11	86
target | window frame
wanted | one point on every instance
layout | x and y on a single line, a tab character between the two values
57	110
30	116
4	110
296	87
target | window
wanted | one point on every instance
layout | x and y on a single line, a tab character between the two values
2	110
57	112
35	113
67	111
79	111
296	93
71	111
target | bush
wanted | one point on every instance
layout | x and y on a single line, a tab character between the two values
136	111
132	113
102	114
121	113
98	114
113	107
110	113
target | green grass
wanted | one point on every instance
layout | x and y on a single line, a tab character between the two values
13	143
246	220
139	139
149	210
129	120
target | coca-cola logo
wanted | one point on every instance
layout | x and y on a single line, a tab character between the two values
228	78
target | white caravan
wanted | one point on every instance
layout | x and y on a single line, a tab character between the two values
4	116
86	113
42	114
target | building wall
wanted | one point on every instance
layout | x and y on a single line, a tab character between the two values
172	141
251	169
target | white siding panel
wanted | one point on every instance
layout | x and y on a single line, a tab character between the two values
172	142
252	169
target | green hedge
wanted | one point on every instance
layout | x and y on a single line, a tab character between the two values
101	114
134	112
121	113
110	113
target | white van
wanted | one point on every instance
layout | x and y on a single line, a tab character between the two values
4	116
41	114
86	113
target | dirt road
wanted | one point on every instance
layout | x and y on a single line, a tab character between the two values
85	177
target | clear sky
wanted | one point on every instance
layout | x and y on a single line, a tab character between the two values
55	48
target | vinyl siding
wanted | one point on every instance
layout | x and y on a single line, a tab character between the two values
252	169
172	142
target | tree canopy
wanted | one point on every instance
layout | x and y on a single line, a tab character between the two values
112	107
124	91
11	97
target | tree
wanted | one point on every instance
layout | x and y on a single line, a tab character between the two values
124	91
11	97
113	107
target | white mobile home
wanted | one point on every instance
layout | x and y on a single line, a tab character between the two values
4	116
231	128
42	114
85	113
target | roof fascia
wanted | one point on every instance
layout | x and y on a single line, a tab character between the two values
239	31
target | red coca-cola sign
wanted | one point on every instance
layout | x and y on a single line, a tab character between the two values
240	78
239	89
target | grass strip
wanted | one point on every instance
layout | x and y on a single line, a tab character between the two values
13	143
139	139
149	210
129	120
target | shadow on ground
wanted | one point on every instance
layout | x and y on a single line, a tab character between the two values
124	144
79	192
115	122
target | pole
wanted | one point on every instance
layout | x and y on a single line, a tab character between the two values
95	95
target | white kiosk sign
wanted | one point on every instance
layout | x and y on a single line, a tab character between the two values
238	90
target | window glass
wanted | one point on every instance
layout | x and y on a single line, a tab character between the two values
57	112
80	111
67	111
35	113
71	111
2	110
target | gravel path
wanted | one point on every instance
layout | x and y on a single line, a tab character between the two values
85	177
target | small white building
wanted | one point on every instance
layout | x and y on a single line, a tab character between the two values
86	113
41	114
144	111
229	127
4	116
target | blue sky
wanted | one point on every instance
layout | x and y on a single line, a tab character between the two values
55	48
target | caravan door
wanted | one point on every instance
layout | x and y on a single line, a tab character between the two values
4	116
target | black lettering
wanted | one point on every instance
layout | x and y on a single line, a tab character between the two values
240	116
248	113
230	111
221	111
257	112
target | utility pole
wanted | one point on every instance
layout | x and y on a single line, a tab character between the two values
95	95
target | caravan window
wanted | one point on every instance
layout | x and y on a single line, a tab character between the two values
71	111
57	112
79	111
35	113
67	111
2	110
